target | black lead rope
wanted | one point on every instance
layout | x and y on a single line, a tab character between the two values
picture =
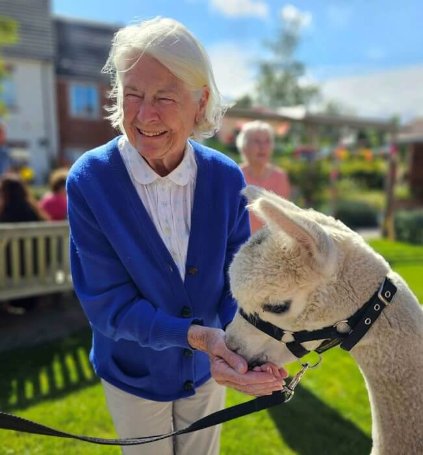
360	323
12	422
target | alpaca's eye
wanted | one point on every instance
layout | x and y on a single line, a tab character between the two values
257	239
277	308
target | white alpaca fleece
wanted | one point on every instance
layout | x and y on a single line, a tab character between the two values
304	271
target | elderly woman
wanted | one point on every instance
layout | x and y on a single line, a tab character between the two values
255	143
155	220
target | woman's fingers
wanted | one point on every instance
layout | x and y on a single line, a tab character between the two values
231	370
255	389
233	360
272	369
252	382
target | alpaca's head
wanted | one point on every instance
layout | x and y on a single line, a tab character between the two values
303	271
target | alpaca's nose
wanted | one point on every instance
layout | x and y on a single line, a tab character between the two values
256	362
231	343
253	364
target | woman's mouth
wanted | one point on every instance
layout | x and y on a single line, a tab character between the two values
151	133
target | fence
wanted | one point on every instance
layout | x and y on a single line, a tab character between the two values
34	259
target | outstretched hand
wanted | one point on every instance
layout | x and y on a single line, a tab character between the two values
230	369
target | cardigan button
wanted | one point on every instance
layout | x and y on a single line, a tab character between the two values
186	312
192	270
188	385
188	353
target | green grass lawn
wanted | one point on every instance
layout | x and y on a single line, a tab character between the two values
329	413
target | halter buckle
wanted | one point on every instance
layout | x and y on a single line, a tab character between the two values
385	296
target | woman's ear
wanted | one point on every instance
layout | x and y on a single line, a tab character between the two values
202	103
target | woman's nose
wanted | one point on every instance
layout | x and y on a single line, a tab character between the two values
146	111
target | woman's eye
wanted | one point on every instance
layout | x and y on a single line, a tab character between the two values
132	97
166	100
277	308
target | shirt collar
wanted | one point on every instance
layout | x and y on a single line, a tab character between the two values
143	174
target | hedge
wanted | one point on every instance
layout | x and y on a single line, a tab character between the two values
408	226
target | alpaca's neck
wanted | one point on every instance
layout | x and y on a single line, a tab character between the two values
391	359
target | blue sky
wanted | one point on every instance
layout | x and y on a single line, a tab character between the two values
367	54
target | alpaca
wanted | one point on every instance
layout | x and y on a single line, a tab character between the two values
304	271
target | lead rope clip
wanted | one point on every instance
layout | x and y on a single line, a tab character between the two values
289	389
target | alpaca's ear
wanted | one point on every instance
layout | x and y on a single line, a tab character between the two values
300	227
253	193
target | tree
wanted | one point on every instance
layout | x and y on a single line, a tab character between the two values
244	102
280	77
8	35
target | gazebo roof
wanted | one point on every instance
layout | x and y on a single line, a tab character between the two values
411	133
291	115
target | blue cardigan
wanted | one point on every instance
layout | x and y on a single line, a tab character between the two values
131	291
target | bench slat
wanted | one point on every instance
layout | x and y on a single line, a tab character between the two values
34	259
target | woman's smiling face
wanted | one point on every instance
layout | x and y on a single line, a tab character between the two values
159	113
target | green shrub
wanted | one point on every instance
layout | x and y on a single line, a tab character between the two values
369	174
356	214
409	226
228	149
348	189
311	178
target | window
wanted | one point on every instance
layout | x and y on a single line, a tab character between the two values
84	101
8	92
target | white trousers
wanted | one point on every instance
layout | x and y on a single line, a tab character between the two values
134	416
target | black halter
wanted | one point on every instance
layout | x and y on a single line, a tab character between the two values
356	325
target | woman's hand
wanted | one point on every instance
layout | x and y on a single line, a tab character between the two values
230	369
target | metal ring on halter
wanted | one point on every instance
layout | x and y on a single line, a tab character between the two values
342	325
313	365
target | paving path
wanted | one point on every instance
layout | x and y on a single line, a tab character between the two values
55	317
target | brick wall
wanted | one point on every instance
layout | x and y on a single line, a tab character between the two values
80	133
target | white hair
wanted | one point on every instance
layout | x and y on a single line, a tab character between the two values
252	127
174	46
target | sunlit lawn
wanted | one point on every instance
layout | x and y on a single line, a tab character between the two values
329	414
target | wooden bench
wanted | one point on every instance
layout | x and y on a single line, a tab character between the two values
34	259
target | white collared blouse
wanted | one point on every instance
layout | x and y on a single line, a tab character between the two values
168	200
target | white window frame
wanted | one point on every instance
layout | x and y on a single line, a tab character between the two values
8	93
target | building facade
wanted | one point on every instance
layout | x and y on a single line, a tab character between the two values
29	94
82	48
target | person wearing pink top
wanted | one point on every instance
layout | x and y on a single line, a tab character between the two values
255	143
54	203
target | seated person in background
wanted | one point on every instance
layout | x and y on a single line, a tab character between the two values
54	202
16	201
255	144
17	205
